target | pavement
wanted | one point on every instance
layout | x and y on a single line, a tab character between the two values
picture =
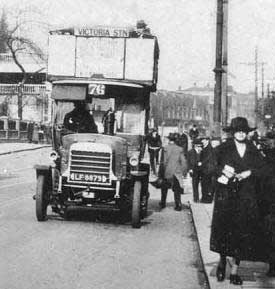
253	273
8	148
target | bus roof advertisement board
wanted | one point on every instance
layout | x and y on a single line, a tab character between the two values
139	63
132	59
100	56
61	55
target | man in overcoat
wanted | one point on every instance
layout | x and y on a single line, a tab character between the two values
193	132
194	167
235	229
173	167
208	167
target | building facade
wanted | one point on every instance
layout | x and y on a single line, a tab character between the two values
180	110
35	99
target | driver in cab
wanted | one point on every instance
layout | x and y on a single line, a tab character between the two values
79	119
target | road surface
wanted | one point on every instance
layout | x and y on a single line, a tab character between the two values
90	252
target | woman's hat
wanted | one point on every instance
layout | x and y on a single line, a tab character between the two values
238	124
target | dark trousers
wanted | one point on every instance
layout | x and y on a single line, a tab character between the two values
176	188
207	187
154	159
196	178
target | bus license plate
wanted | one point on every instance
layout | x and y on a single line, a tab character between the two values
88	178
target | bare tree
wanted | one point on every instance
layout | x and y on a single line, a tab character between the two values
17	39
3	30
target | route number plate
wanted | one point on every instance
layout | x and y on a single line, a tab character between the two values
96	89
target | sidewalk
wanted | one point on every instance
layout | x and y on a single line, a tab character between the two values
8	148
252	273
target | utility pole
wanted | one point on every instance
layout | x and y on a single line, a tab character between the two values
256	86
263	63
225	65
218	69
255	63
268	90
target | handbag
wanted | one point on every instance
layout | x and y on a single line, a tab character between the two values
158	183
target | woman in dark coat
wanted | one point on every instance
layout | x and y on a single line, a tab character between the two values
235	227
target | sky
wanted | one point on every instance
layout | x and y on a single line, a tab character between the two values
186	31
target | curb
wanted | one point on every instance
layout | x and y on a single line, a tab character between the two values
22	150
199	246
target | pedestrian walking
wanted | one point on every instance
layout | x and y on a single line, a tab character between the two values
255	138
194	167
173	167
182	141
35	137
154	145
235	228
193	132
41	132
48	132
30	131
208	167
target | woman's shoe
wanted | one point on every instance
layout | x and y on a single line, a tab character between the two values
220	273
235	279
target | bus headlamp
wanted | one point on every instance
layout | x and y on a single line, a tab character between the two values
53	156
134	160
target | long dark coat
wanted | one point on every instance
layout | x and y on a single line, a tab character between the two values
208	166
236	226
193	158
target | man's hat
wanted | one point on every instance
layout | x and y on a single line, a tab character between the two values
238	124
141	24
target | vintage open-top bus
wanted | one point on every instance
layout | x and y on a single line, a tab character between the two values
103	170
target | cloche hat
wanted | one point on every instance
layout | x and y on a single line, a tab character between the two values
238	124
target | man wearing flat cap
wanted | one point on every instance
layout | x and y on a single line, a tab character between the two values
173	167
